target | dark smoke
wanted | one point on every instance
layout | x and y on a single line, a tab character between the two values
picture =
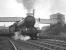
28	4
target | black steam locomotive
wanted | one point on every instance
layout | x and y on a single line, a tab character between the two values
26	27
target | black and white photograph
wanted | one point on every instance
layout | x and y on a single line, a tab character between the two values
32	24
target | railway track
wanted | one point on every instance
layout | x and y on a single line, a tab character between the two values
53	44
22	45
48	44
41	44
5	44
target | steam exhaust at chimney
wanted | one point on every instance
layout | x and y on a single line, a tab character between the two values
29	4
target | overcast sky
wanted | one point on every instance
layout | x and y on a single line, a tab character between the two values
11	8
43	8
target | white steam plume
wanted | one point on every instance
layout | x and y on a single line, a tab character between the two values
28	4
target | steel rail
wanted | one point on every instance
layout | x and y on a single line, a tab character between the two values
13	44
